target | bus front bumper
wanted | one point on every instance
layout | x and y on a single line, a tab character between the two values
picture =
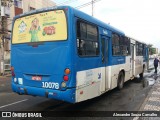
68	95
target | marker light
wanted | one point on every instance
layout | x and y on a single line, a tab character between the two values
66	9
12	68
63	84
12	72
67	71
65	78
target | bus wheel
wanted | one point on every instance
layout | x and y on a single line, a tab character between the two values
141	74
120	80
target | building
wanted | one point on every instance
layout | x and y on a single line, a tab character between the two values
9	9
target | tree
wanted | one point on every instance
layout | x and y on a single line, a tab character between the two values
150	45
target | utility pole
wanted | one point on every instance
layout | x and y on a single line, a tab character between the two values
92	7
88	3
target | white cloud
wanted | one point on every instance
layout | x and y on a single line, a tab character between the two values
137	18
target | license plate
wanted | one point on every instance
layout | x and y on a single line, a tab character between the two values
38	78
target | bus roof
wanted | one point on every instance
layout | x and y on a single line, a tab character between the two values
78	13
96	21
137	40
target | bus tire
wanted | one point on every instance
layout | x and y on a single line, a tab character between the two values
141	74
120	80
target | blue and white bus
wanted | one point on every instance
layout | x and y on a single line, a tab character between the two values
65	54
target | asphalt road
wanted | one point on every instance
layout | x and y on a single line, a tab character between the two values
130	98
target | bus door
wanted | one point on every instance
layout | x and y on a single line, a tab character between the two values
132	60
104	59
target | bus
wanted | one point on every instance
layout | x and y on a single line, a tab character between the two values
65	54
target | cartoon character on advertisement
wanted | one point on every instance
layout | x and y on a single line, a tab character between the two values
34	30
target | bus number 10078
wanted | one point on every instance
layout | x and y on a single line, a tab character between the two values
50	85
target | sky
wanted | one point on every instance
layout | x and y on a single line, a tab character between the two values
139	19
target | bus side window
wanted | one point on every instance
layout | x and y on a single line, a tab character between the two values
125	46
115	44
87	39
120	45
139	49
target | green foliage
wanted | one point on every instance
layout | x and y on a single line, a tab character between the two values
152	51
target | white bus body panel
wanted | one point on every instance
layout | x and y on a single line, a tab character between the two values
89	84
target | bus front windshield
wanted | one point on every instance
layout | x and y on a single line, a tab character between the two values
40	27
